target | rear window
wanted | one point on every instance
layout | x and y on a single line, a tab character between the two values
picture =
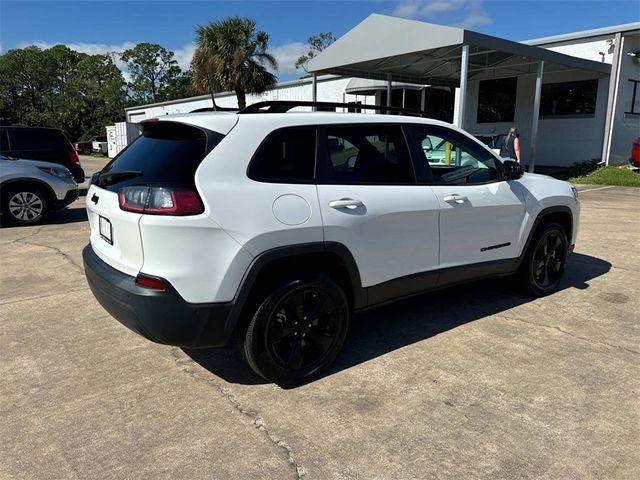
39	139
167	153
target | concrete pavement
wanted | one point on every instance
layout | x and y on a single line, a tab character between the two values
472	382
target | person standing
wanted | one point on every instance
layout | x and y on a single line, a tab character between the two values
511	145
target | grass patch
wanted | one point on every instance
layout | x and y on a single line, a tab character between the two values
578	170
618	176
592	174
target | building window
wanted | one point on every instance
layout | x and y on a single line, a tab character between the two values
634	85
569	98
355	108
497	100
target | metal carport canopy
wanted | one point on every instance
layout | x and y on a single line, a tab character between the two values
428	54
391	48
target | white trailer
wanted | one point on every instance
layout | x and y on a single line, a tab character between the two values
119	136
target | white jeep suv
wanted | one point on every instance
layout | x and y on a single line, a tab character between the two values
273	227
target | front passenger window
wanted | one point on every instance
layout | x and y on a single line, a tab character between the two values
455	159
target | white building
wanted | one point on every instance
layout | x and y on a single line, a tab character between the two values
586	106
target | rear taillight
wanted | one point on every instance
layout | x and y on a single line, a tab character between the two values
160	200
73	158
149	282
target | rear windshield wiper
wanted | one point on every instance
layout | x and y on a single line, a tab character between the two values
108	178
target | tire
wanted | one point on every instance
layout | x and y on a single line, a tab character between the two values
87	151
545	261
23	205
297	330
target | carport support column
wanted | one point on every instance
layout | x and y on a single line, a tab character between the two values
464	69
612	97
535	116
314	88
389	83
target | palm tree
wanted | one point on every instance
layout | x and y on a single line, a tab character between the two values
231	55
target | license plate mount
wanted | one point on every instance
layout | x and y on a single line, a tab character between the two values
106	230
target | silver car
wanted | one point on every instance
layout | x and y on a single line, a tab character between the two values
29	189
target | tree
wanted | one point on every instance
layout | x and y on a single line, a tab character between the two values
317	43
61	88
152	69
27	77
180	87
98	96
231	55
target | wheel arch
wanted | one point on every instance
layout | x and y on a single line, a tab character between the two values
560	214
48	191
332	259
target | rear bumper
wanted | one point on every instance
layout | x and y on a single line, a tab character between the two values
78	173
160	316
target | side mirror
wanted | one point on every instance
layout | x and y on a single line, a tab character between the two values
512	170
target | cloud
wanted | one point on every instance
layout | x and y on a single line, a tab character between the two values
466	13
474	20
287	54
91	49
184	55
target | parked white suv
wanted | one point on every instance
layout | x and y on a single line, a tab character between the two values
275	227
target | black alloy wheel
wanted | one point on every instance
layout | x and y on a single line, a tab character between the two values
297	331
546	262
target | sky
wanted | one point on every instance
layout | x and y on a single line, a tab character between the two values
99	26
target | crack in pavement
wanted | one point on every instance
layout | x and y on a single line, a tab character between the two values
56	249
35	232
584	339
59	252
257	421
38	297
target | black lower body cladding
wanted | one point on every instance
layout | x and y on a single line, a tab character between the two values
161	316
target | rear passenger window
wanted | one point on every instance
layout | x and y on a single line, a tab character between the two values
368	154
286	156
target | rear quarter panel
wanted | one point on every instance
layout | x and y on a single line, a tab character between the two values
244	207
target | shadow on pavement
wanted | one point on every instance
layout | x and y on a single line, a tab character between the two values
68	215
385	329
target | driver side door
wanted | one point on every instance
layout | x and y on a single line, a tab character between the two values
481	214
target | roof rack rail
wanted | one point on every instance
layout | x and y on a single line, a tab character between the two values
216	109
282	106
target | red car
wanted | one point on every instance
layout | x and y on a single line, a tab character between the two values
86	146
634	159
